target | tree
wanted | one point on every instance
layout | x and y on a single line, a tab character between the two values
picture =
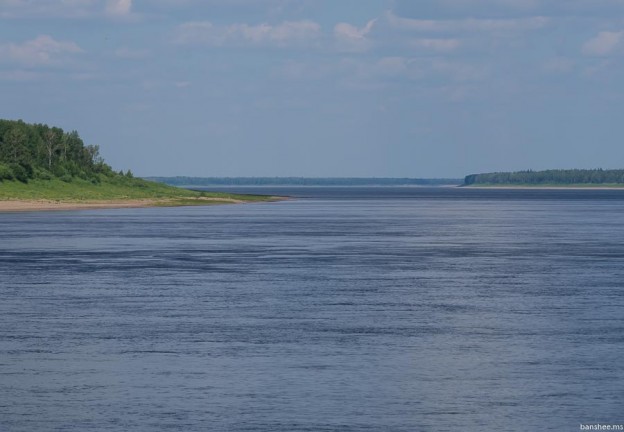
93	155
30	150
15	149
51	144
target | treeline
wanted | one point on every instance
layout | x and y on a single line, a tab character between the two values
38	151
563	177
300	181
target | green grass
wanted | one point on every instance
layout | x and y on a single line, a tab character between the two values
117	188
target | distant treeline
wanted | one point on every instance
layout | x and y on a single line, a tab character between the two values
300	181
38	151
564	177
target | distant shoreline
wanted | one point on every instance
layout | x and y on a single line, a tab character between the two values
551	178
265	186
547	187
184	181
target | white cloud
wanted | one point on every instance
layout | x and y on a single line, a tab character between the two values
441	45
65	8
392	66
467	24
283	34
603	44
197	32
118	8
469	7
365	72
41	51
352	38
47	8
416	68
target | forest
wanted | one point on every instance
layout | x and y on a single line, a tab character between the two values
548	177
38	151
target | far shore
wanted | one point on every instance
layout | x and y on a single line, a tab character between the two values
522	187
50	205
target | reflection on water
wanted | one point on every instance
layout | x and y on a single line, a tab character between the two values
387	310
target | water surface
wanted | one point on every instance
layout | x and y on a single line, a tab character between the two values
366	309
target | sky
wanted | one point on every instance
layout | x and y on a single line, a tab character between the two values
322	88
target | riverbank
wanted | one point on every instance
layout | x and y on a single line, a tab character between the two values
548	186
48	195
47	205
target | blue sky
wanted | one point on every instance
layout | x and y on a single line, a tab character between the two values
427	88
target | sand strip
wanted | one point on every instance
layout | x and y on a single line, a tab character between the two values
47	205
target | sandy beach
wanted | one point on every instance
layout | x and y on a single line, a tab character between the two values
48	205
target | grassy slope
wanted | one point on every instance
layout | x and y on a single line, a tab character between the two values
119	188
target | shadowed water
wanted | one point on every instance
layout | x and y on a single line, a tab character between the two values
366	309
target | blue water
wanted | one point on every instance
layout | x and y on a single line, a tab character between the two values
347	309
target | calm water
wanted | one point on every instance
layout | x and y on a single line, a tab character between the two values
383	309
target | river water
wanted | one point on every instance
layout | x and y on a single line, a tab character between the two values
346	309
